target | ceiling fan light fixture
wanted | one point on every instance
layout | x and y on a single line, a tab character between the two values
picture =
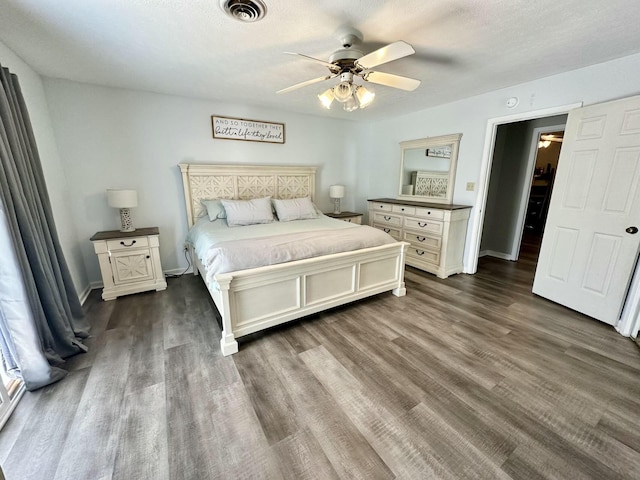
343	91
326	98
350	104
365	97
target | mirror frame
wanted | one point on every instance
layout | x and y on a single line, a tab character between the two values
431	142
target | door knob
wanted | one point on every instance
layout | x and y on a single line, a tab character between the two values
632	230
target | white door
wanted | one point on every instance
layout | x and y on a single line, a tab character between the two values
590	244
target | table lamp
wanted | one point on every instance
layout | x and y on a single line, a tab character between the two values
124	200
336	192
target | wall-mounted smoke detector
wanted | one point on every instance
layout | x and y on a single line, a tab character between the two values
244	10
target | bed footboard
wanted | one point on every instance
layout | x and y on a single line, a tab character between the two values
259	298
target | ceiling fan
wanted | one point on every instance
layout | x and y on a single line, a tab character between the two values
349	62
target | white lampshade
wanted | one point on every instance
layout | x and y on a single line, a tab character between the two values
326	98
365	97
336	191
122	198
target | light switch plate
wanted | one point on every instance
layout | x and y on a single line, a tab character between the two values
471	186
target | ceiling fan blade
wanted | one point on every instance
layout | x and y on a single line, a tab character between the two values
330	66
391	80
304	84
391	52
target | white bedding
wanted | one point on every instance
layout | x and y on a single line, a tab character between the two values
224	249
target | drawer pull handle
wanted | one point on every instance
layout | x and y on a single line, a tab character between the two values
130	245
148	256
386	230
422	224
421	239
402	209
387	218
381	206
419	252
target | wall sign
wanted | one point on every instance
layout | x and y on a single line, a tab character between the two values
228	128
439	152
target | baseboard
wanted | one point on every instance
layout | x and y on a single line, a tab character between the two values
178	271
491	253
85	294
94	285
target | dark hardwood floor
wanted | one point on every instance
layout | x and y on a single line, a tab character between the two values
469	377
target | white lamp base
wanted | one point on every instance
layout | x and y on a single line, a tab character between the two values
126	224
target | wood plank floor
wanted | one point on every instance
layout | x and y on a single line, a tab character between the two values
469	377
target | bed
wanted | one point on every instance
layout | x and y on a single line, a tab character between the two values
253	299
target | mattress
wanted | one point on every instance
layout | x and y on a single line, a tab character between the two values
223	249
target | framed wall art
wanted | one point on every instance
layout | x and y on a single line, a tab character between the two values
229	128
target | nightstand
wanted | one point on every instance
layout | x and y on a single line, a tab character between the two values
351	217
129	261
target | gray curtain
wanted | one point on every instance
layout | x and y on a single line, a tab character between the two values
35	348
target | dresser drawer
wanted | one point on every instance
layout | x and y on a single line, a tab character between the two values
387	219
394	232
403	209
423	241
430	213
423	225
125	243
380	207
426	256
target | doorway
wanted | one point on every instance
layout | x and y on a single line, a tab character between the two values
520	182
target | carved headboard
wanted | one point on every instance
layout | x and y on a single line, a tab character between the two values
244	182
430	184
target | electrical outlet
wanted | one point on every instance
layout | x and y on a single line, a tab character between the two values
185	247
471	186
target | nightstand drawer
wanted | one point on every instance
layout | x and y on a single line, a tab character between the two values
126	243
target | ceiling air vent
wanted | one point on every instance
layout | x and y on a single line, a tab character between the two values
244	10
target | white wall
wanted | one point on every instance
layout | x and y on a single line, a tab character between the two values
122	138
57	186
113	137
594	84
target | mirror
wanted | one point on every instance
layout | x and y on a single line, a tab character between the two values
428	168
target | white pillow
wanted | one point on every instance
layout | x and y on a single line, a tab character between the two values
295	209
215	210
248	212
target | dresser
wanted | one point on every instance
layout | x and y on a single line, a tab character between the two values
435	231
129	261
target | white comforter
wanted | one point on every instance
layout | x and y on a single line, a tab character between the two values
223	249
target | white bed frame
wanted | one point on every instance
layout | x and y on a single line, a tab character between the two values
258	298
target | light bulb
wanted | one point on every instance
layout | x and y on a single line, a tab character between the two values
342	92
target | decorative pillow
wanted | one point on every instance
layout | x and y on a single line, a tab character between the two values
248	212
295	209
215	210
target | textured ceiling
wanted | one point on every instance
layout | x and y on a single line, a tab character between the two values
191	48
